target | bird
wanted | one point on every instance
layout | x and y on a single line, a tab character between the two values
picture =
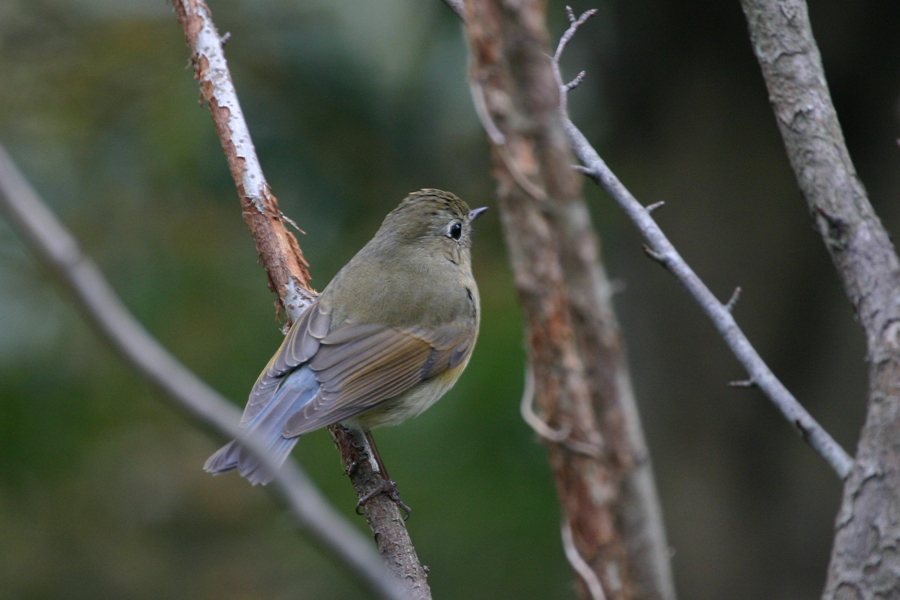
387	337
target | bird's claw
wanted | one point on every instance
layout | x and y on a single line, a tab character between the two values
389	487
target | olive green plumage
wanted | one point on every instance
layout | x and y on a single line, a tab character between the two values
386	339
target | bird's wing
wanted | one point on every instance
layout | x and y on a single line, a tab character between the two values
360	366
299	345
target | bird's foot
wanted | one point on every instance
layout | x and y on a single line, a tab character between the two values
389	487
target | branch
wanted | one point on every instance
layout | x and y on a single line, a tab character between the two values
278	249
854	237
661	249
457	6
577	373
59	251
863	561
286	269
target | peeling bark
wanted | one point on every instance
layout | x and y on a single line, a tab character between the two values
277	247
286	269
581	383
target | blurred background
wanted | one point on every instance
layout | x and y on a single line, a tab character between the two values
353	104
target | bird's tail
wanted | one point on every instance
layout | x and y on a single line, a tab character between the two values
294	392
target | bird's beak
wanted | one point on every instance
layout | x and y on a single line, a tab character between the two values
476	212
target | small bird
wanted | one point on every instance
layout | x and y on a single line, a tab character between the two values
390	334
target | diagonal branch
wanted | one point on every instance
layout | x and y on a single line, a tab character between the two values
661	249
59	251
278	249
286	269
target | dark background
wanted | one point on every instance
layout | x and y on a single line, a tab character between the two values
353	104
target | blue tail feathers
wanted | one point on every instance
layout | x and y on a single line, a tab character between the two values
295	391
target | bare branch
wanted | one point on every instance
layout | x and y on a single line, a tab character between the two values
573	27
278	248
581	380
661	249
93	295
567	36
863	563
286	267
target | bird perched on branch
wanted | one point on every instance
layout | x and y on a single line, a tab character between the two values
384	341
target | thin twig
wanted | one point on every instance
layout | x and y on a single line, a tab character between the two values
576	82
661	249
743	383
732	302
574	24
526	407
557	436
579	565
481	111
60	252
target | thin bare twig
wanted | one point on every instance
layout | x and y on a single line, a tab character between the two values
579	565
576	82
732	302
574	24
560	436
100	305
743	383
661	250
526	408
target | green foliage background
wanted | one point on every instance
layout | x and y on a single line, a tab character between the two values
352	105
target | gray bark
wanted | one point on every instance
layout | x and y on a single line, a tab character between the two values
865	562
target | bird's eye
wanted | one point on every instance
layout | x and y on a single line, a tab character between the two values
454	231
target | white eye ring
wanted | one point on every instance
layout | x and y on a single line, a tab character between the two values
454	231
